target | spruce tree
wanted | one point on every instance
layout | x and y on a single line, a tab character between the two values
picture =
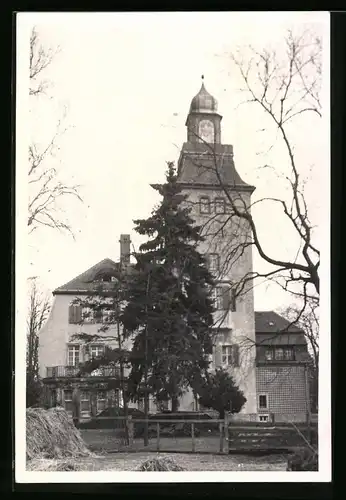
169	306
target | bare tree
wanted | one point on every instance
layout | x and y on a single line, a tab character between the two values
39	308
309	323
284	88
46	188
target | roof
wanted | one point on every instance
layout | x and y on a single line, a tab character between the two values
85	282
203	102
196	166
271	322
269	325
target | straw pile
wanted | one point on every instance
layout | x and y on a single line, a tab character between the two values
51	434
46	465
160	464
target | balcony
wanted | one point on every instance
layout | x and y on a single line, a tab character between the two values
73	371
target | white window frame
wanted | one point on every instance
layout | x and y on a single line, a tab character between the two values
84	412
69	412
217	296
271	350
204	205
90	318
74	348
96	346
218	202
275	354
101	399
229	355
267	401
290	349
214	262
106	315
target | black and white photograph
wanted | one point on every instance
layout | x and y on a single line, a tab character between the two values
172	247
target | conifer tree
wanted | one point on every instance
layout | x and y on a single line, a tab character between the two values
169	306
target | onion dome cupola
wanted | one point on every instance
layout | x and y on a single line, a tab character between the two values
203	102
203	121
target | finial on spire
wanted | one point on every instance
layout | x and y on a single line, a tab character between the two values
202	77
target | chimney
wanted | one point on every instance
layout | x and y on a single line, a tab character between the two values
125	243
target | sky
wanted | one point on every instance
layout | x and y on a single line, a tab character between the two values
127	81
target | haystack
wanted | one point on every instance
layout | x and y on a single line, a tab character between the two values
161	464
51	465
51	434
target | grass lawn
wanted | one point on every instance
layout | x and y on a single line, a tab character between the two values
123	461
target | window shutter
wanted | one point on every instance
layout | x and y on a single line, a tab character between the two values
233	301
218	356
78	314
71	314
235	349
226	298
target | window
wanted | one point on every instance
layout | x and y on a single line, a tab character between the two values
288	354
230	355
85	402
263	418
204	205
269	356
279	354
214	262
96	350
262	401
101	401
220	206
217	295
107	315
68	401
73	355
88	315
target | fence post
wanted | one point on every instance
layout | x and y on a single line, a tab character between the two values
130	430
158	436
221	437
226	425
193	436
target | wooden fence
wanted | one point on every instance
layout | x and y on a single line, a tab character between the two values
229	437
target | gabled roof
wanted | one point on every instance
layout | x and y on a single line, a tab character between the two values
87	281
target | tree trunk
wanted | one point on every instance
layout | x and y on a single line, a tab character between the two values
175	404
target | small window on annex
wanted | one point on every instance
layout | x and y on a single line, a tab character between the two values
262	401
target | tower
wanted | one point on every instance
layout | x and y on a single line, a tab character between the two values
207	175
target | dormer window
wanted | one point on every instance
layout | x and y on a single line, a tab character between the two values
220	206
204	205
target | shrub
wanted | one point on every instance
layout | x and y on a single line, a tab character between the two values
160	464
303	459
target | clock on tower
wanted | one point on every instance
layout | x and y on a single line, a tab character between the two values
206	131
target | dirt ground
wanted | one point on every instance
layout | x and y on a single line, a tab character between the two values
192	462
